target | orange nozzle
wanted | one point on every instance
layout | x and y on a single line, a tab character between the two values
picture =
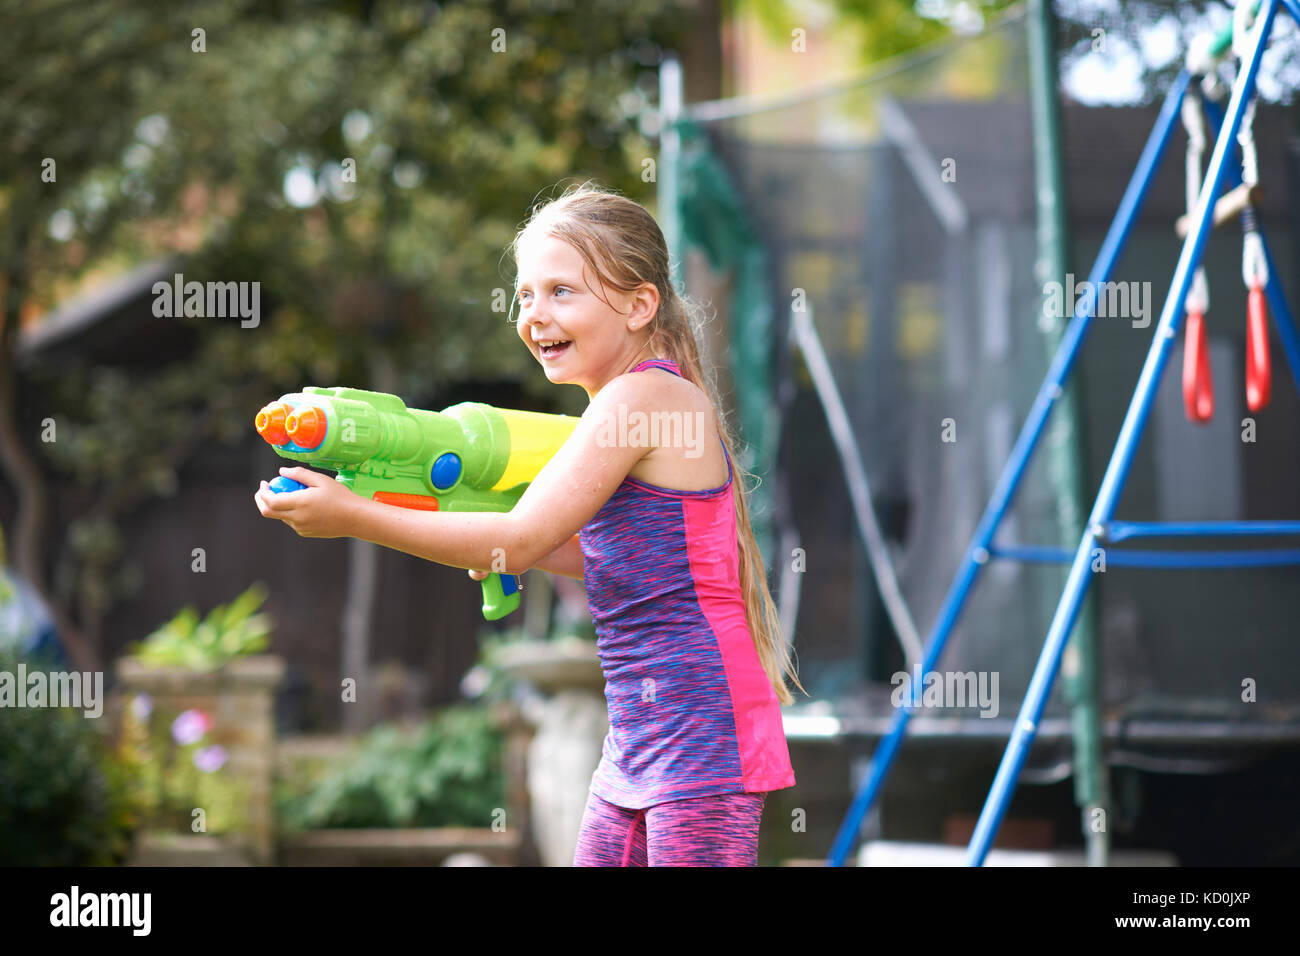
306	426
270	423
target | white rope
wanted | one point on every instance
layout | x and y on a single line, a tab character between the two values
1246	137
1201	62
1243	18
1254	268
1198	296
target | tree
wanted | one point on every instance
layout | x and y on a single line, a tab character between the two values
883	28
366	163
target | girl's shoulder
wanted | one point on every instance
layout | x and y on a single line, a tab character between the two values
680	424
659	389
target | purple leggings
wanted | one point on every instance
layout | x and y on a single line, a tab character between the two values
703	831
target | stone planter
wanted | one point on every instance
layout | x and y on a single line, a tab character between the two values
571	722
240	697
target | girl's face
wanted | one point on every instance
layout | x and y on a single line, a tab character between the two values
556	304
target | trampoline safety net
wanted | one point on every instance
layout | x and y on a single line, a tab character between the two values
900	211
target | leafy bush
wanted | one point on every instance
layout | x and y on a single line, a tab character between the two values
447	772
228	631
63	800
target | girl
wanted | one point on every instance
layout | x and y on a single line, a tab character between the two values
652	522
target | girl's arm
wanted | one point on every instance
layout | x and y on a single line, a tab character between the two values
566	560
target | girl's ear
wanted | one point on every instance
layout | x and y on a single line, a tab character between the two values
645	306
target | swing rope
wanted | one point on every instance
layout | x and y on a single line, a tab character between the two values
1254	266
1203	57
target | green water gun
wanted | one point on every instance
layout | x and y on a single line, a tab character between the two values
468	457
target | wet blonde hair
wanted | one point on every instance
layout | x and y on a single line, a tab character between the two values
622	244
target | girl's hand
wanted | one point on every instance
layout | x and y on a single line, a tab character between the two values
324	509
478	575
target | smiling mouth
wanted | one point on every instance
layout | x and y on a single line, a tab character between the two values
552	351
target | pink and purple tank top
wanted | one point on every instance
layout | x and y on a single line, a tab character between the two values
691	710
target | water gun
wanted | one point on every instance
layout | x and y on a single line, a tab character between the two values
468	457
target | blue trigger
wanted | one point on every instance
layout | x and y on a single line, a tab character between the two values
284	484
509	584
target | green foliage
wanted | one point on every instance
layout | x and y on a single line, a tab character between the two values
63	800
165	150
229	631
884	28
888	28
446	772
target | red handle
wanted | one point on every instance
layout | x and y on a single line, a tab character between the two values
1259	369
1198	389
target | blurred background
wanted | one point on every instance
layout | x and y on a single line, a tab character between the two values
868	163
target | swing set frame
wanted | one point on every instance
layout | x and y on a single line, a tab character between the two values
1101	527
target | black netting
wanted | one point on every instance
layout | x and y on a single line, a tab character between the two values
902	212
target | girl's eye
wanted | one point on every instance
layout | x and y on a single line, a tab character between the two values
558	290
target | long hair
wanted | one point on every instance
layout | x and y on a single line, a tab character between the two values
623	245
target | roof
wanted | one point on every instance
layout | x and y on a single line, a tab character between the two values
113	322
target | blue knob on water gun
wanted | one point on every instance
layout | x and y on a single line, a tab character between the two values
284	484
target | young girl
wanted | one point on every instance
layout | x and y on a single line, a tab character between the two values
652	522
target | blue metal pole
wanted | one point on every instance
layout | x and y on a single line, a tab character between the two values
1282	318
1080	576
1012	473
1120	530
1042	554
